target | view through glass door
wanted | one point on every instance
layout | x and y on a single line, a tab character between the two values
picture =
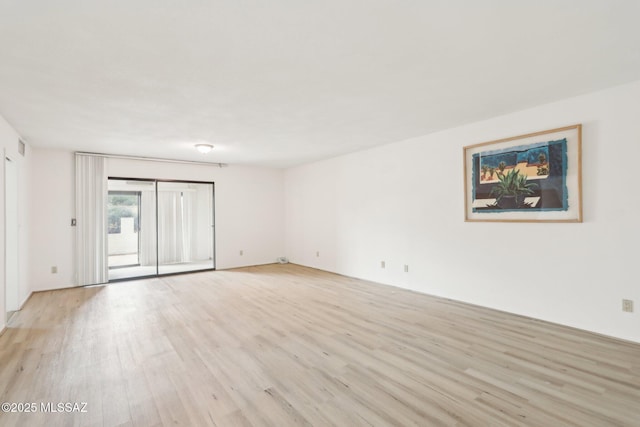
159	227
131	227
124	228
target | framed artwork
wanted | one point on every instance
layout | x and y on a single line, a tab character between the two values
529	178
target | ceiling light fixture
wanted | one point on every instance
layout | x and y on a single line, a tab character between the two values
204	148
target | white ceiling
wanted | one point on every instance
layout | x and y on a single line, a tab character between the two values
283	82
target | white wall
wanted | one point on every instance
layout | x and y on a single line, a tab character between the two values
403	203
52	237
9	147
249	211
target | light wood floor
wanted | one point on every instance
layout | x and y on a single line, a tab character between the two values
283	345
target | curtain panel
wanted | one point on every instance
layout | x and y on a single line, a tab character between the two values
177	236
147	228
91	216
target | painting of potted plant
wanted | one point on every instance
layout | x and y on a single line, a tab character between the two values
511	190
527	178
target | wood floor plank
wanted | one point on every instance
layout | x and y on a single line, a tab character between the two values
284	345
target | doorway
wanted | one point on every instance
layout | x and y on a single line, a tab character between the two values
12	291
123	210
159	227
131	228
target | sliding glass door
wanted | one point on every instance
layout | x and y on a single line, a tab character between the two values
131	228
159	227
185	226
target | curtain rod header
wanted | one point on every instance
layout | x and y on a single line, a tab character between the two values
150	159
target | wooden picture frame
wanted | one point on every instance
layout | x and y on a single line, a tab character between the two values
535	177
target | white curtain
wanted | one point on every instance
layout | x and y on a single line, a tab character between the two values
91	217
148	228
189	221
167	218
176	233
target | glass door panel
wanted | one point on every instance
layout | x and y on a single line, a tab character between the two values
185	227
131	223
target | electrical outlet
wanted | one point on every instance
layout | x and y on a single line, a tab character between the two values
54	269
382	264
627	305
318	253
406	268
241	252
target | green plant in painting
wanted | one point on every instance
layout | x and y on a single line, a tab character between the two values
492	171
511	189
